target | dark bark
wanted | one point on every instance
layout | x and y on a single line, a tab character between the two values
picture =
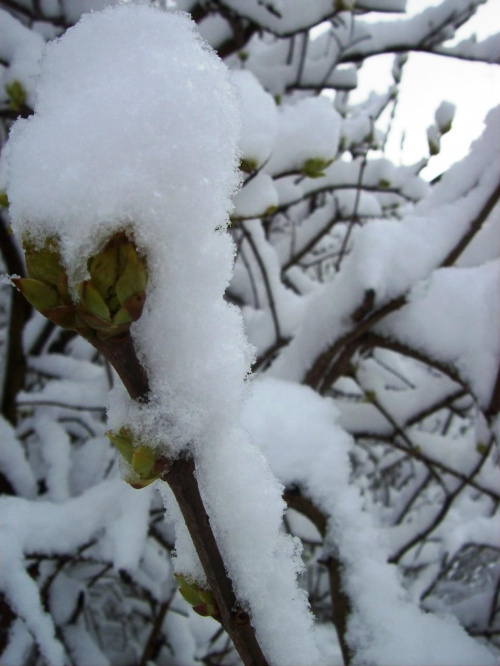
180	475
341	606
20	312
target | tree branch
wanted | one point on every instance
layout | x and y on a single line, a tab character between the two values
180	474
20	313
341	606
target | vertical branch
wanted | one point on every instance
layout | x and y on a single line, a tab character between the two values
267	284
20	312
180	474
341	605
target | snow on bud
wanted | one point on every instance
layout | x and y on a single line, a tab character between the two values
16	94
434	140
260	120
344	5
106	304
444	116
308	137
144	464
201	599
136	129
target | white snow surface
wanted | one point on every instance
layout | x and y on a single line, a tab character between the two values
259	117
21	48
98	157
136	127
309	129
392	257
299	432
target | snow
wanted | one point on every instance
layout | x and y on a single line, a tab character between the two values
391	256
172	190
307	130
259	118
298	430
465	335
257	198
162	165
51	528
136	128
55	448
21	48
13	462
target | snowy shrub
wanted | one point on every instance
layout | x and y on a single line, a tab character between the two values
251	382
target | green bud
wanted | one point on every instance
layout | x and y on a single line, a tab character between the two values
104	270
248	164
206	596
270	211
114	296
383	182
146	464
370	396
16	94
93	306
122	442
109	301
4	200
481	448
132	278
201	599
315	166
190	595
143	461
434	147
39	294
344	5
44	263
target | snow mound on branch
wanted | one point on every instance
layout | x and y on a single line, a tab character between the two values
308	449
260	117
136	127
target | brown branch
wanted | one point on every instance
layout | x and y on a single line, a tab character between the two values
267	283
20	312
155	635
475	226
341	606
423	534
180	474
428	462
494	406
325	366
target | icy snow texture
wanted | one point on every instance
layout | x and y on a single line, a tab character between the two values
299	432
